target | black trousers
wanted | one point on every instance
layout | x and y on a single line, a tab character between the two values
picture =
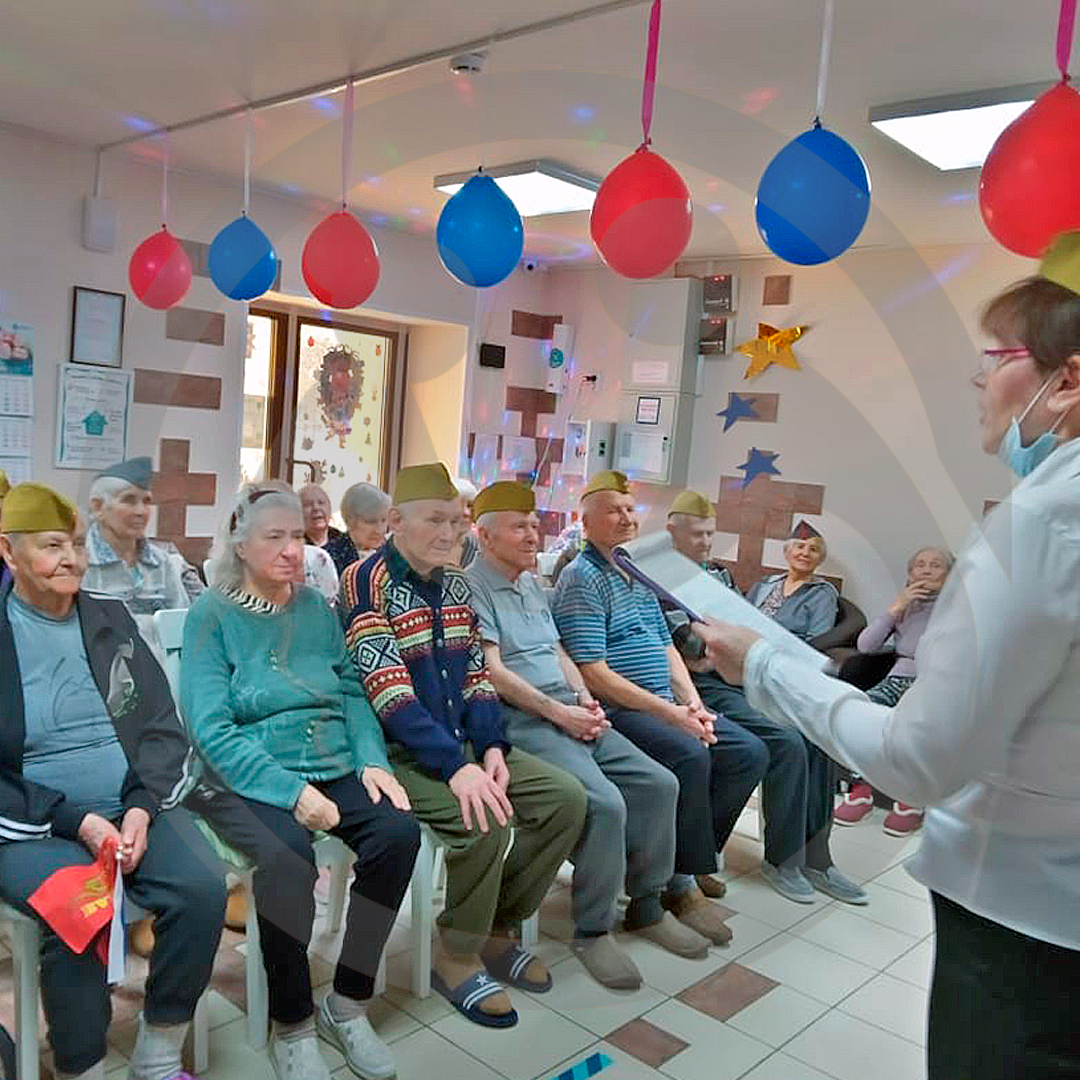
179	879
1002	1005
385	841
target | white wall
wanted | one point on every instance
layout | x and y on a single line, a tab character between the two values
882	412
41	186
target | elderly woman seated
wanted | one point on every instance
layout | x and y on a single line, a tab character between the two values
800	781
274	704
364	509
904	621
122	562
92	754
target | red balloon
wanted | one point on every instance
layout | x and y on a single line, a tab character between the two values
160	271
1028	190
340	262
642	216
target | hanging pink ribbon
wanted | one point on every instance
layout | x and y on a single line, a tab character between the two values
1066	22
346	143
648	90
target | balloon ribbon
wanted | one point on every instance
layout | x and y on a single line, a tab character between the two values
1066	22
346	142
648	90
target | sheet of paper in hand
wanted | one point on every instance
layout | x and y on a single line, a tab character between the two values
660	567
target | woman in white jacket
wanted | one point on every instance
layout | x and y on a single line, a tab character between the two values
988	736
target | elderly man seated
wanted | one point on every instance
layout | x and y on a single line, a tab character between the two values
415	641
629	832
614	630
92	752
122	562
799	783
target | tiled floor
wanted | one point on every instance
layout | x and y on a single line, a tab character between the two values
803	993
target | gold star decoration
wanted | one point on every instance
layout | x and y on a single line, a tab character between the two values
771	346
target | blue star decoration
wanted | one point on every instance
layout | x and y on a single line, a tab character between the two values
94	423
758	462
739	408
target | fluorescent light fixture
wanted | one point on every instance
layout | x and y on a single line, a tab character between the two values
534	187
957	131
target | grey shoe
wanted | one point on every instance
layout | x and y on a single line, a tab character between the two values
365	1053
672	935
607	963
298	1058
838	886
789	881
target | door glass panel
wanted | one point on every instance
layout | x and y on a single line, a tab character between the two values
258	362
341	391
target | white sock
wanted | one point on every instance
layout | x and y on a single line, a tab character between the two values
95	1072
303	1029
344	1008
157	1051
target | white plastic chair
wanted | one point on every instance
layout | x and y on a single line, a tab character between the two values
26	961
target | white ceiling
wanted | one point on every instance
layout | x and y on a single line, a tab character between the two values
737	80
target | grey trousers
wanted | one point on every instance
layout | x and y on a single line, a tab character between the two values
629	833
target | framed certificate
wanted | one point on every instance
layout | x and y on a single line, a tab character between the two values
97	327
647	411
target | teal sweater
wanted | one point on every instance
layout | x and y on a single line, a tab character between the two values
271	697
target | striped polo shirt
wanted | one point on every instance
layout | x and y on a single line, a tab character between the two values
601	615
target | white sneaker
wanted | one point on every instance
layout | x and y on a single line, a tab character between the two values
365	1053
298	1059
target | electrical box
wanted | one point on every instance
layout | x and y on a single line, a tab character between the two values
656	412
559	354
588	448
652	438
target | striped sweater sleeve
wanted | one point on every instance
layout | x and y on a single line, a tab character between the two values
370	639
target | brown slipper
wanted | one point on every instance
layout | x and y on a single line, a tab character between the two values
712	887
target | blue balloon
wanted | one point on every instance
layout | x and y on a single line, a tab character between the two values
813	199
242	260
480	235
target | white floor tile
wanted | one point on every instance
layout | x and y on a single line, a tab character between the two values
910	915
782	1067
896	877
892	1004
752	896
748	933
220	1010
232	1059
843	932
579	997
540	1040
663	970
806	967
843	1046
425	1055
623	1066
778	1016
716	1051
915	966
859	861
426	1010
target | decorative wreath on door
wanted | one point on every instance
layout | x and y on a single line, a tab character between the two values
341	381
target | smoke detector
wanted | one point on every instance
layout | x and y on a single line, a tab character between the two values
468	63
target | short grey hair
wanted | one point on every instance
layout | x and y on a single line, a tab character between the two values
680	517
107	488
363	502
945	553
227	568
820	539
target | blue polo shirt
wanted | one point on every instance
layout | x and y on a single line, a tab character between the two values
601	615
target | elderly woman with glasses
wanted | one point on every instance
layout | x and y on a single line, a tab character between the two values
988	735
276	709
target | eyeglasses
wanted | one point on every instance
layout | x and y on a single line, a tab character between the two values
991	360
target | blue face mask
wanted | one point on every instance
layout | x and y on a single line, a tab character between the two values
1024	460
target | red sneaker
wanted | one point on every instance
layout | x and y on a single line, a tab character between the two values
903	820
858	802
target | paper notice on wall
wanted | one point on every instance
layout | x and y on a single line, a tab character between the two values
92	417
19	470
16	436
650	372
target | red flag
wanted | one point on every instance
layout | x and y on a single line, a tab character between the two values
77	901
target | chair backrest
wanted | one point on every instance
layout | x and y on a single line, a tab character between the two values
207	566
169	624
